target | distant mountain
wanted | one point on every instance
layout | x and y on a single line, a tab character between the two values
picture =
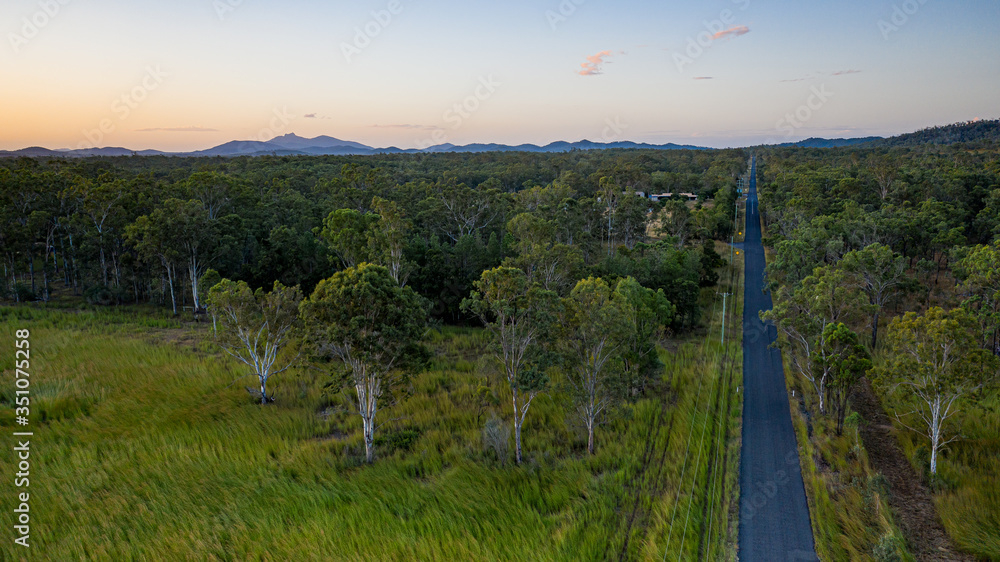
294	145
295	142
558	146
30	152
969	131
832	143
239	148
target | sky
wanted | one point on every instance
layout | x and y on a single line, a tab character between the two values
191	74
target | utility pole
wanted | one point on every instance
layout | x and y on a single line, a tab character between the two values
724	296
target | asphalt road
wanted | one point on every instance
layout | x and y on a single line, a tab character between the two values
774	515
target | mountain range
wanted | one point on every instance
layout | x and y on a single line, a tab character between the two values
294	145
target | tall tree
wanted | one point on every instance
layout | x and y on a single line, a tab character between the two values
676	220
152	237
551	264
802	313
361	318
647	313
980	269
387	237
347	231
594	329
519	315
935	361
881	272
194	235
843	361
256	326
99	203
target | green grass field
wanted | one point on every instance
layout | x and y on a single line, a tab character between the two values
144	449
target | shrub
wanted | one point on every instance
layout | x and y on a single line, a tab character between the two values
496	438
23	293
100	295
397	440
887	549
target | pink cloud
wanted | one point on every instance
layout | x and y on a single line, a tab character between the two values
734	31
593	65
704	77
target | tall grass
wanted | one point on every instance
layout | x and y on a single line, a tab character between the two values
967	487
848	499
145	449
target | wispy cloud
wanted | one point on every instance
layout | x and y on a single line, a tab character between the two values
593	65
407	126
820	73
704	77
316	116
734	31
178	130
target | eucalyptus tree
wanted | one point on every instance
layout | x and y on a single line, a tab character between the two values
256	326
881	273
152	238
647	314
935	362
387	237
519	316
843	362
802	313
593	332
347	231
371	328
980	269
553	265
99	203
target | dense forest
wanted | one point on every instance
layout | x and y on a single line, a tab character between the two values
149	229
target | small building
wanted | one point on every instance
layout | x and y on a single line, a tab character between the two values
664	196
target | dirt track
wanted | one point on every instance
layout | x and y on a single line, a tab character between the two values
909	499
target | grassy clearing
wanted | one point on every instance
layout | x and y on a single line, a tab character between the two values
144	449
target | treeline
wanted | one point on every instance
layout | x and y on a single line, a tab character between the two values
164	230
980	132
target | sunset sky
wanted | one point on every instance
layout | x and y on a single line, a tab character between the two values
191	74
